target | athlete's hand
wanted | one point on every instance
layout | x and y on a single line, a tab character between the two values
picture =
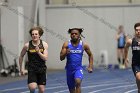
22	72
90	70
67	51
37	49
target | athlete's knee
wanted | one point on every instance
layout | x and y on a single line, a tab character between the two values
32	87
138	76
32	91
72	90
78	83
42	90
138	79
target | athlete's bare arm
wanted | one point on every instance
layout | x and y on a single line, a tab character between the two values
23	52
117	36
90	55
127	45
64	51
43	55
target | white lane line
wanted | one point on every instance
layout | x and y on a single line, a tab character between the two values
61	91
51	85
109	81
111	88
99	85
11	89
46	88
25	92
55	87
102	85
19	88
131	91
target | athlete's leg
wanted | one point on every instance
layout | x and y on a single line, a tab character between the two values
136	71
138	81
119	56
78	85
78	80
70	81
32	79
41	88
123	54
41	81
122	57
72	90
71	85
32	87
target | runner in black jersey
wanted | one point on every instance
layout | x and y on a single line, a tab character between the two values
37	56
135	45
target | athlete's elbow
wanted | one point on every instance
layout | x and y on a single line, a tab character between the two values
45	58
62	58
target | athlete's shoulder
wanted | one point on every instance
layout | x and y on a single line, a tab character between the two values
85	45
26	45
45	44
66	43
129	41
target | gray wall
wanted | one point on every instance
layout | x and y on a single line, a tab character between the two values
17	17
9	37
99	22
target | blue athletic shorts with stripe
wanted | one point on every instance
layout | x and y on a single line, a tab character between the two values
72	75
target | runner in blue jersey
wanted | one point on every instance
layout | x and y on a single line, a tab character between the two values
73	51
121	37
135	45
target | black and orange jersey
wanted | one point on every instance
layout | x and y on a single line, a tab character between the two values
35	61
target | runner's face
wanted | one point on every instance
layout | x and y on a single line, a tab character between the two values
137	31
75	35
121	29
35	35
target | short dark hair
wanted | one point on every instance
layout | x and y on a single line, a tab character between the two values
40	30
79	29
136	25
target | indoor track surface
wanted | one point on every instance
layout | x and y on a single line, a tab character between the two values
100	81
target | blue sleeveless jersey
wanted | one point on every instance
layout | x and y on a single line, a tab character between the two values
74	58
121	41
